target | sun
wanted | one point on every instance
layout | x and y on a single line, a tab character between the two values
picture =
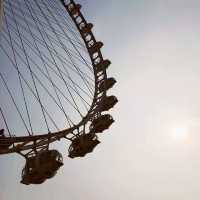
180	133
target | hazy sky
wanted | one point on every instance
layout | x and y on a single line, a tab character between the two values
152	152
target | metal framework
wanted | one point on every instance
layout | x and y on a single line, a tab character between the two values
30	145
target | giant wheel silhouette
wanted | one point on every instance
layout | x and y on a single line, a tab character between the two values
53	84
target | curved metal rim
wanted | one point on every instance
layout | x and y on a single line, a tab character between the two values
52	137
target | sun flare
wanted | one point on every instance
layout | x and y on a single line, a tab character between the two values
180	133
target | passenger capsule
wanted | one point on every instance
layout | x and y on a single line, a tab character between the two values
87	28
95	47
107	84
74	9
103	65
83	145
42	166
108	102
101	123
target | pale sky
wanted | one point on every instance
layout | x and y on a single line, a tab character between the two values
152	152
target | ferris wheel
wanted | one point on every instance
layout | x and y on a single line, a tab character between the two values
53	84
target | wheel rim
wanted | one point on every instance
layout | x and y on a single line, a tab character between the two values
32	141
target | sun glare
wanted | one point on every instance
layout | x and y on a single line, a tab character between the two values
180	133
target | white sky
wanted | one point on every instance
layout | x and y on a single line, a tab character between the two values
152	152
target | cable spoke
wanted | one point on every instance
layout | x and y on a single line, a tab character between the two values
47	74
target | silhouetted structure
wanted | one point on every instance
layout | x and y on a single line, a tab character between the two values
101	123
40	167
41	162
83	145
106	84
108	102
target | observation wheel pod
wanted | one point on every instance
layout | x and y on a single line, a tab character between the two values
32	178
86	28
106	84
95	47
83	145
74	8
30	175
42	166
103	65
101	123
108	102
